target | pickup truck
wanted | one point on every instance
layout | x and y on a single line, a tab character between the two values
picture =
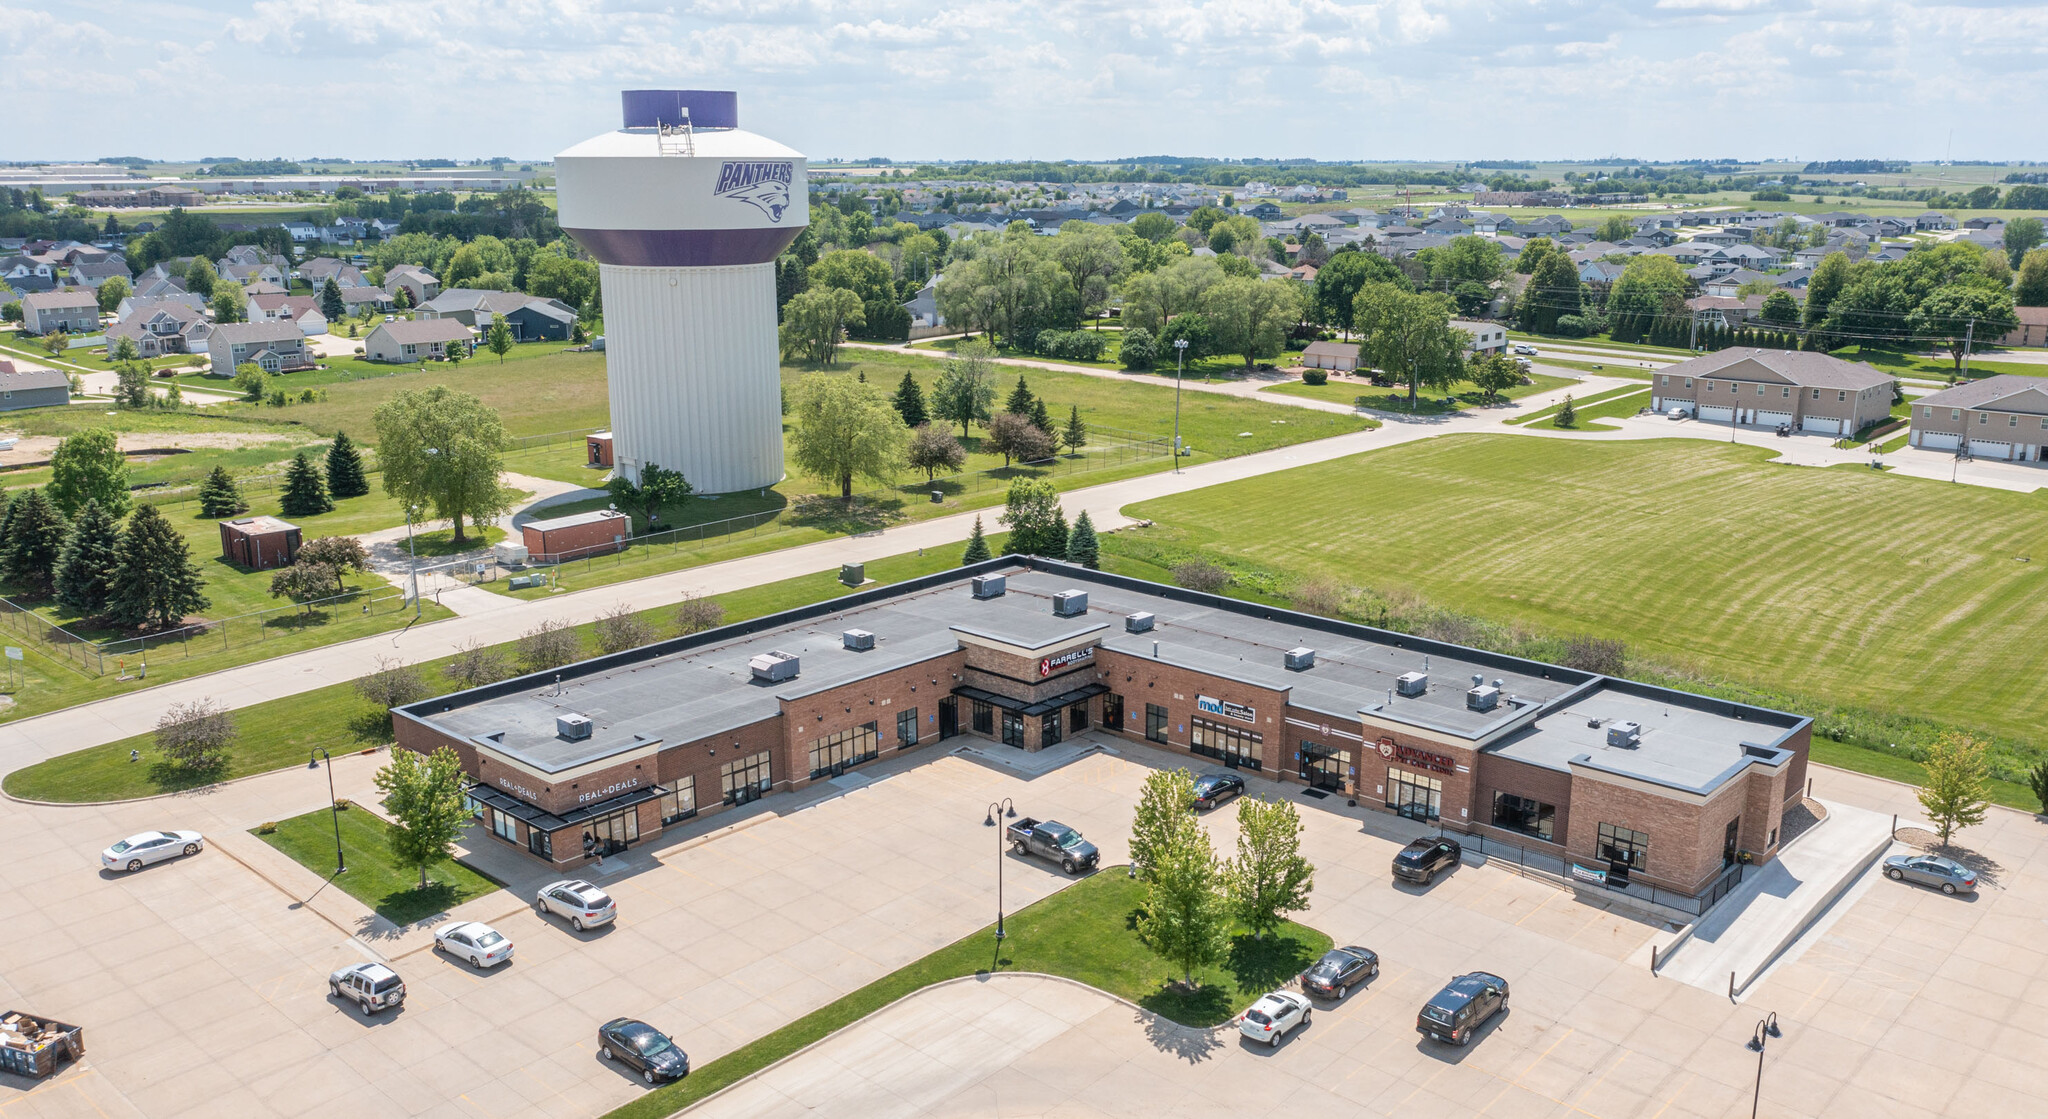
1055	842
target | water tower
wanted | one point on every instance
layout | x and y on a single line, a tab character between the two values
685	214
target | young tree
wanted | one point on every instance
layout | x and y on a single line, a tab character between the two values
1185	919
56	342
228	302
345	474
1038	527
331	305
200	277
619	629
303	581
550	644
499	337
1020	399
1076	434
112	291
440	448
1269	878
305	491
36	531
131	389
476	664
815	322
933	449
1082	546
2030	284
909	401
1495	373
1042	420
1957	790
694	614
86	563
845	428
155	582
196	737
1015	437
86	467
339	555
966	389
1409	335
393	684
423	793
250	378
1567	415
124	349
1165	803
977	545
658	486
219	496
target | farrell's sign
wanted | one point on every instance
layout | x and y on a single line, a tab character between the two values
1050	665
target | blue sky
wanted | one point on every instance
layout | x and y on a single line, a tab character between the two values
1399	79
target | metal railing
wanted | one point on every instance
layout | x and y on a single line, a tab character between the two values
1556	870
98	658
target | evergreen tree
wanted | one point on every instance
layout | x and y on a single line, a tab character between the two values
910	402
1082	547
155	582
86	565
1566	415
1076	434
1020	399
330	301
345	474
219	496
977	545
305	492
35	538
1040	418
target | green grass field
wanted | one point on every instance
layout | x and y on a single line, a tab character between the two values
1589	412
1903	595
1082	932
372	877
1429	402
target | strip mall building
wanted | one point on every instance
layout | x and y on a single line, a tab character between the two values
1642	783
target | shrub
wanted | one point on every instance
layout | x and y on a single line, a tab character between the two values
1139	351
1595	654
477	664
266	827
394	684
196	736
550	644
1315	377
693	614
1200	575
619	629
1318	595
1571	326
343	804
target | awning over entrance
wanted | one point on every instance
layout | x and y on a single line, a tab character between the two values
547	821
1032	710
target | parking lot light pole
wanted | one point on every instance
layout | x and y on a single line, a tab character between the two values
413	557
1765	1031
334	806
1180	361
997	812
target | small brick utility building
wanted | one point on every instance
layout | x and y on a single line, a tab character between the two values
599	448
576	536
259	543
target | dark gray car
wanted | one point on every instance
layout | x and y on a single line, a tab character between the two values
1946	875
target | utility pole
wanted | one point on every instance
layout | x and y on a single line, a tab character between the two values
1692	341
1969	333
1180	356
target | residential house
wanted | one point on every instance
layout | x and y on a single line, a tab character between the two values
189	299
1933	220
73	311
924	306
32	388
277	347
1731	283
162	326
1339	356
376	299
530	317
413	340
1450	227
1599	273
414	280
1812	392
2033	328
1487	337
91	274
252	273
2001	417
1983	223
1306	273
1490	225
1264	211
1725	310
302	232
24	273
303	310
319	270
1550	225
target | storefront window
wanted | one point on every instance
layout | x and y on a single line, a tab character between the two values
1077	717
746	779
503	826
1049	729
835	753
612	832
1414	795
1155	722
1113	712
1233	746
1518	813
1620	845
1325	767
680	803
1013	729
906	728
984	717
540	843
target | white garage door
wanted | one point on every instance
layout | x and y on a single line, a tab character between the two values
1826	425
1773	419
1722	414
1985	448
1940	440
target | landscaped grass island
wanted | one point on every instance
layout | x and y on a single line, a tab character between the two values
373	878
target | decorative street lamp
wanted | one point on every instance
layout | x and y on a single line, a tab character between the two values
1765	1031
333	805
1002	808
1180	361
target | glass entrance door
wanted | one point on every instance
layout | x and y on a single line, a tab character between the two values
1325	767
1049	729
612	832
1413	795
949	717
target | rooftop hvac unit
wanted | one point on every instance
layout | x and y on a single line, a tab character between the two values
989	586
1070	604
1628	736
1140	622
774	667
1484	697
1301	659
572	726
859	640
1412	683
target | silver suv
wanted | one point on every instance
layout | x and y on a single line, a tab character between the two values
373	987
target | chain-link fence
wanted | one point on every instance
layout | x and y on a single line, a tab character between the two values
126	656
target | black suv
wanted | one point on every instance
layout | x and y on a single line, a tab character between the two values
1462	1007
1424	859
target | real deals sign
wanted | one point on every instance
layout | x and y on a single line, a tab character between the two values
1049	665
1213	706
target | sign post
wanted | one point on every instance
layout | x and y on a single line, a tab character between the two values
14	665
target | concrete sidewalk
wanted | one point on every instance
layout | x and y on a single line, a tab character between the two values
1768	914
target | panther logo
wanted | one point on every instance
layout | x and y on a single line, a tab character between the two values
764	184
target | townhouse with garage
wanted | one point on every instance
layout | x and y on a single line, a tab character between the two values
73	312
1628	782
1810	391
2002	417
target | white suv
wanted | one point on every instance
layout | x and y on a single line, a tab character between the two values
583	904
373	987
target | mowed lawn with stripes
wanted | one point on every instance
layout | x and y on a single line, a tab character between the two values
1900	594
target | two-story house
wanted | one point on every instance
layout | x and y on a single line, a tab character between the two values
277	347
74	312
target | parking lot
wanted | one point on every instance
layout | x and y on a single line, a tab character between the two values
201	982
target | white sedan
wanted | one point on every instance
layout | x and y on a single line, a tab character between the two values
480	944
138	851
1274	1017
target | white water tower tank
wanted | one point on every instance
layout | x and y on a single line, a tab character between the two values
686	214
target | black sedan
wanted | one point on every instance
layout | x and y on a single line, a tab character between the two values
1339	970
1212	789
632	1042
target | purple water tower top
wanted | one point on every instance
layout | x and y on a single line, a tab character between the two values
707	108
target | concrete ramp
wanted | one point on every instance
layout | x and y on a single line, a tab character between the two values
1765	916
